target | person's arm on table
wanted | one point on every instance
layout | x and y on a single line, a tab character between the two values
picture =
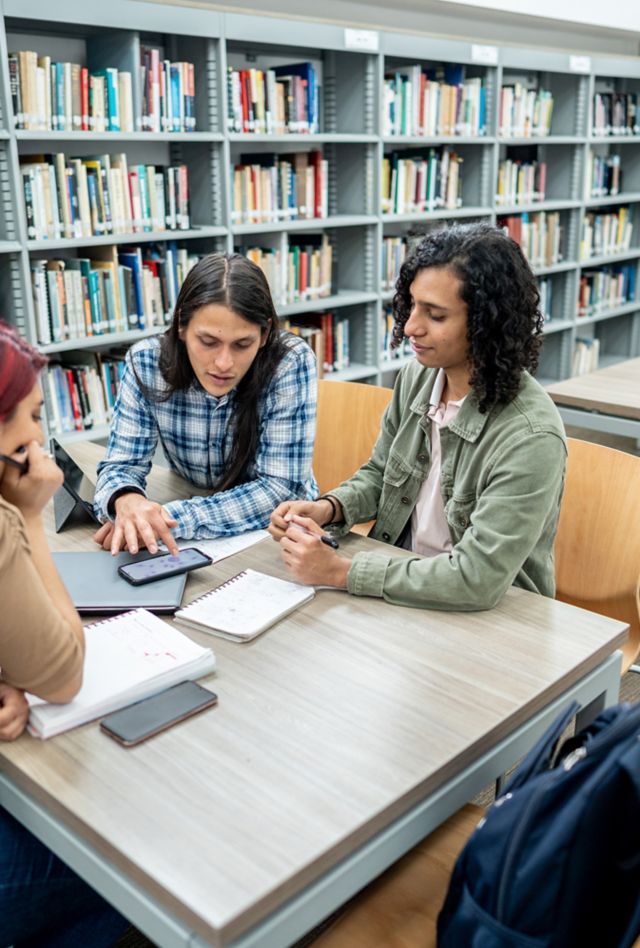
504	527
355	500
137	521
503	530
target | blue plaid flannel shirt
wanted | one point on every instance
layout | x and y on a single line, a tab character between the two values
196	433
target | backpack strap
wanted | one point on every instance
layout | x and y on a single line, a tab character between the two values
540	755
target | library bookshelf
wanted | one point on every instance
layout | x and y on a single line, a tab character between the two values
544	143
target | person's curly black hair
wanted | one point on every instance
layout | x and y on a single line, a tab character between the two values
504	322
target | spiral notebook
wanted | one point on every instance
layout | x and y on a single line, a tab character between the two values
127	658
245	605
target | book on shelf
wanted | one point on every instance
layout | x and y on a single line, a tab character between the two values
328	335
606	232
524	112
94	197
603	177
433	102
387	352
615	113
540	235
285	99
68	97
414	183
298	267
521	181
545	288
394	250
168	93
128	657
586	355
606	287
79	390
270	188
117	290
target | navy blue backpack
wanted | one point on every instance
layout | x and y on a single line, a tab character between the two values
555	863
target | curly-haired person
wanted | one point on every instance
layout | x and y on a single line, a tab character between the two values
468	469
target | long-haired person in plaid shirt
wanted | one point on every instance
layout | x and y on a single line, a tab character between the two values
231	399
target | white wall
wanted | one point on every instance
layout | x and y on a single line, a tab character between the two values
624	14
506	23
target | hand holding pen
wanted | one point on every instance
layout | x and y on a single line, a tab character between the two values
31	483
311	562
323	537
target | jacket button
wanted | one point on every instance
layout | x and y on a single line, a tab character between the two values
386	537
422	458
405	500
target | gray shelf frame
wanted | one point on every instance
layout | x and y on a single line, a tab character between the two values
352	87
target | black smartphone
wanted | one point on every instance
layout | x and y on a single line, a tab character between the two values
164	565
132	725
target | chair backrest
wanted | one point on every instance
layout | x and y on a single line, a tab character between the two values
598	542
349	416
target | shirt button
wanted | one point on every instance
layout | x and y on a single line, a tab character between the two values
405	500
386	537
422	458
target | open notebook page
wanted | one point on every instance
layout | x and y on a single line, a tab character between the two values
127	657
245	605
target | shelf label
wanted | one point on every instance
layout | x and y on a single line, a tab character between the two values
367	40
488	55
580	63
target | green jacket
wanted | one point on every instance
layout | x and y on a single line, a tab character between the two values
502	476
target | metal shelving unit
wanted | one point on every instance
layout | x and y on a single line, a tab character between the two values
350	138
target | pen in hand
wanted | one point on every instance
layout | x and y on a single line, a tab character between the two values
22	466
324	537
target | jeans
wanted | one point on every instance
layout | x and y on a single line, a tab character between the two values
43	904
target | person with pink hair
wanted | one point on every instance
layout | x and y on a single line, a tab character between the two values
42	902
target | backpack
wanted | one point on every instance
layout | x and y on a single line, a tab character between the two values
555	862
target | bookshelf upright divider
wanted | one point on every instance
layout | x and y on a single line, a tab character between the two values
386	135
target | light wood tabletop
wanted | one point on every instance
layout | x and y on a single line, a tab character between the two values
614	390
330	727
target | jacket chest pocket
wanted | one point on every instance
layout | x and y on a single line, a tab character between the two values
396	471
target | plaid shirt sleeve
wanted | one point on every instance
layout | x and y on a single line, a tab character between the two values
133	437
282	466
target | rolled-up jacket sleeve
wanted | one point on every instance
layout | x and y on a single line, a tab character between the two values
523	488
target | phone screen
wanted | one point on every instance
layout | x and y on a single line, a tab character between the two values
159	567
74	478
145	718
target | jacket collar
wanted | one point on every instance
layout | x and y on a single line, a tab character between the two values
469	422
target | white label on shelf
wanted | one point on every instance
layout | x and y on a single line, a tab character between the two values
484	54
580	63
362	39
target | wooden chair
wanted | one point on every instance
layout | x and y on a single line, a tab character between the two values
349	416
598	542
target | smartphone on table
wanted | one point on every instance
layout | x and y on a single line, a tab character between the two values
164	565
144	719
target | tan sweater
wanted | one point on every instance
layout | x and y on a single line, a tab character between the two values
38	649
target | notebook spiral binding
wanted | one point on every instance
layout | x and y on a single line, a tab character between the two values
115	618
212	592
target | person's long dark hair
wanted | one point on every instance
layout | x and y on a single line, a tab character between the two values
504	322
233	281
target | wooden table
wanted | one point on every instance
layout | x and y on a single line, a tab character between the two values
606	400
343	735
